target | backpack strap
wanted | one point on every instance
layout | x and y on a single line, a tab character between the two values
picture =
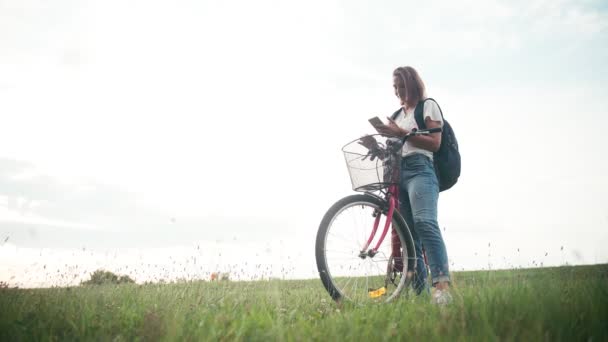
395	114
419	111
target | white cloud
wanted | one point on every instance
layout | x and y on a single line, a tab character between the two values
7	215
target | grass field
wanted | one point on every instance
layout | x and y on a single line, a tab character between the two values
549	304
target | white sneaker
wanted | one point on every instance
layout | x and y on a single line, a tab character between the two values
441	297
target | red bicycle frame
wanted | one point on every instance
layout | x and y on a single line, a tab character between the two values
393	202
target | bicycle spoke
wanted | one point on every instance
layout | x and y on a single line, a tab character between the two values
340	236
345	285
357	235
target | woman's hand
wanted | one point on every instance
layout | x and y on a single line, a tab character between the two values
392	129
368	142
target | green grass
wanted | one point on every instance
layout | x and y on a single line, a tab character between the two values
549	304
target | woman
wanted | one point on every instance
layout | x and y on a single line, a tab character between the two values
419	188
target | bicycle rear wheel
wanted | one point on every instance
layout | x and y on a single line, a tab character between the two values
347	272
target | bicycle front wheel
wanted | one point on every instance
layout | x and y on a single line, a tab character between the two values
351	273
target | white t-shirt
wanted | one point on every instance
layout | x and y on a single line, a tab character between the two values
407	121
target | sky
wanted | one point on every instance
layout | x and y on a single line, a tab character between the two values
173	139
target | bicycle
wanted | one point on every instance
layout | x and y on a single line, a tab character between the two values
349	269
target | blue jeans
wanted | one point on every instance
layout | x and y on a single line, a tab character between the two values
419	192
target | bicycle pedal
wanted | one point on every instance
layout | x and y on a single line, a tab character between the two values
377	293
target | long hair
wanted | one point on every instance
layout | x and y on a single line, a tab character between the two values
414	87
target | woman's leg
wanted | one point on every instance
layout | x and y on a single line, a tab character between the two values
423	194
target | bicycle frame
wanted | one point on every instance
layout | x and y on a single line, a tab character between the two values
392	196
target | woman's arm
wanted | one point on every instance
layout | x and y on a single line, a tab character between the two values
429	142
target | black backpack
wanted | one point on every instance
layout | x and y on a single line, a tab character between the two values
447	158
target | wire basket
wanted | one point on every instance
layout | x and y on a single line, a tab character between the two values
371	165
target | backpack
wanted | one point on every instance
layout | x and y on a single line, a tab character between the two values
447	158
